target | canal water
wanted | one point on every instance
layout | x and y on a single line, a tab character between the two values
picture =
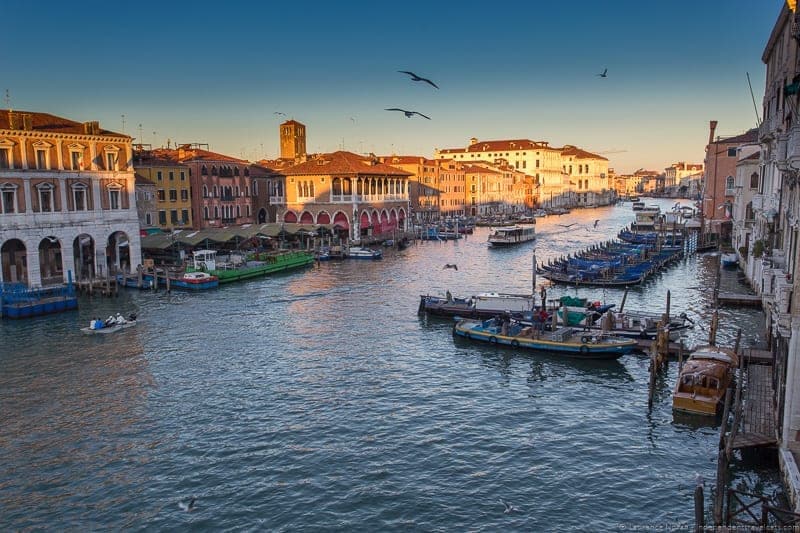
320	400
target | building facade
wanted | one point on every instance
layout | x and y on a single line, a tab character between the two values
146	203
67	200
293	140
357	195
172	183
423	185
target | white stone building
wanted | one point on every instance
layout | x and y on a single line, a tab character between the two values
67	200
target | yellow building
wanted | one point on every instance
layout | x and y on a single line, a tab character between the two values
293	140
172	186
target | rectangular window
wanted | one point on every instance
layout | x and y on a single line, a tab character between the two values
79	199
173	216
183	175
171	176
173	195
754	180
184	194
160	195
147	219
76	158
731	152
162	217
5	160
46	200
111	161
158	176
113	199
41	159
9	203
184	216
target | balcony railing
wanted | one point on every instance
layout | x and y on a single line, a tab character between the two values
277	200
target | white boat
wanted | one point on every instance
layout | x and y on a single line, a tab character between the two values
729	260
357	252
510	235
109	329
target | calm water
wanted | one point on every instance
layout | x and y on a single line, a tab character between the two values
320	400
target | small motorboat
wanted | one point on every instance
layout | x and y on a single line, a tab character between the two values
112	328
357	252
703	380
729	260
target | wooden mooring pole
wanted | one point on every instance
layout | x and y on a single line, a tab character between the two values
737	404
712	332
699	511
722	463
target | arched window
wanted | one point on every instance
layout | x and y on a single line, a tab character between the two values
337	187
114	196
205	194
754	180
246	171
729	181
204	171
347	186
235	171
311	188
216	212
205	212
213	170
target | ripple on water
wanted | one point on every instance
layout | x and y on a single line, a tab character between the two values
320	400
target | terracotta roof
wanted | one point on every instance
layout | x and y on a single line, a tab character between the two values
292	121
153	161
195	154
478	169
51	123
750	136
579	153
502	145
404	159
141	180
343	163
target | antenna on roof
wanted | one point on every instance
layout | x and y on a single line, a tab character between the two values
758	119
123	123
8	100
140	134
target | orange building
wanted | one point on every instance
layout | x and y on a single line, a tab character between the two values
358	194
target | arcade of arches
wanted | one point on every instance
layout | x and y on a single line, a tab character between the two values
54	260
368	221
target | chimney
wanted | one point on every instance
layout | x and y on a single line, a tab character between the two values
712	127
14	121
27	122
181	152
473	140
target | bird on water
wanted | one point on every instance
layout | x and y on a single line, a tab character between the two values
414	77
407	113
188	506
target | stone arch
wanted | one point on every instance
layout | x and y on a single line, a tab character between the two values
393	218
401	218
51	264
290	217
262	216
118	254
384	220
83	253
376	220
340	219
323	218
306	218
13	257
364	220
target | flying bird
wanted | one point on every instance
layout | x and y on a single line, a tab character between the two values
508	507
278	113
454	267
567	225
604	74
414	77
188	506
596	222
408	114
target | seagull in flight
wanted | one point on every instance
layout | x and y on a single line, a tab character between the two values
278	113
453	266
414	77
604	74
508	507
567	225
596	222
408	114
188	506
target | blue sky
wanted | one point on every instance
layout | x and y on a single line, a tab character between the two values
216	72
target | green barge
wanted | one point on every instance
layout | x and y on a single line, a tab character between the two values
235	267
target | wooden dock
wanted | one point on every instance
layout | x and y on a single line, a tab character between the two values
758	414
734	299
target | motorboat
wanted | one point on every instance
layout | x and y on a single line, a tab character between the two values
507	236
358	252
704	379
566	341
487	304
